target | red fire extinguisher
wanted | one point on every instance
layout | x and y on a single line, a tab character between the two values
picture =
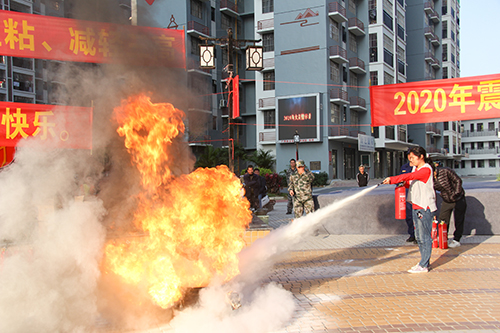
400	203
443	235
434	234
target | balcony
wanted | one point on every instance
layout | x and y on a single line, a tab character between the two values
264	26
430	58
338	131
429	33
193	66
268	64
267	136
337	12
432	129
356	26
267	103
433	150
357	103
469	134
338	54
357	65
429	10
197	29
229	7
338	95
483	151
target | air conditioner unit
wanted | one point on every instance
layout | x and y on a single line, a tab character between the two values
222	103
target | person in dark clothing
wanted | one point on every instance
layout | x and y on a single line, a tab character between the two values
262	187
449	185
362	177
407	168
251	181
291	171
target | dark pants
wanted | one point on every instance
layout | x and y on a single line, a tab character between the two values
289	206
459	207
409	219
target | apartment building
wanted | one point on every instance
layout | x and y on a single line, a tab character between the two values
481	147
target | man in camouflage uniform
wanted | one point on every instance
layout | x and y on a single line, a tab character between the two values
300	188
291	171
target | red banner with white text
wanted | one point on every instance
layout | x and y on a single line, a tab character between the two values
54	125
467	98
54	38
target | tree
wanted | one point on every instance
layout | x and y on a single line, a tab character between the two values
212	157
263	159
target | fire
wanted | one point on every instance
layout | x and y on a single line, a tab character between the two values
194	223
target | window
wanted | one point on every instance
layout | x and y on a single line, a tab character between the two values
269	83
491	126
445	29
444	8
195	46
344	73
472	164
354	81
491	145
479	127
472	145
480	163
225	21
334	72
212	14
352	6
445	52
335	113
388	78
268	42
197	9
344	34
388	57
334	30
446	125
267	6
492	163
354	118
445	72
480	145
462	164
269	119
214	123
373	48
374	78
353	43
387	20
401	32
472	127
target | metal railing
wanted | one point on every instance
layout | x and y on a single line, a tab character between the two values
337	51
229	5
469	134
483	151
193	25
357	101
355	22
335	7
338	93
356	62
268	102
432	128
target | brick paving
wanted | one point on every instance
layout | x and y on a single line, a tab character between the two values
360	284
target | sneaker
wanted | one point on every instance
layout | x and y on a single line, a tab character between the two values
453	243
411	239
418	269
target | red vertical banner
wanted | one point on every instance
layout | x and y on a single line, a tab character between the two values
236	96
6	155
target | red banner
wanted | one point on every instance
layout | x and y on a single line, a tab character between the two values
467	98
47	37
57	126
6	155
236	96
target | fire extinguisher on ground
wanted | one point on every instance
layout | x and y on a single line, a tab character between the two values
400	201
443	235
434	233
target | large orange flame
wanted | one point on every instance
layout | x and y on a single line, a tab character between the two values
194	223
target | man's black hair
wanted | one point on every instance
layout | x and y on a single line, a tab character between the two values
293	159
250	166
256	169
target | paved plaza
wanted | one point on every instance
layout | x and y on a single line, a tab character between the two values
359	283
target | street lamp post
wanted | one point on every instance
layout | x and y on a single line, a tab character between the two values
254	62
296	139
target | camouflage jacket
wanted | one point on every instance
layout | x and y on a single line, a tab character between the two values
300	184
290	172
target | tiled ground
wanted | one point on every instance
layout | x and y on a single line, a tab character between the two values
360	284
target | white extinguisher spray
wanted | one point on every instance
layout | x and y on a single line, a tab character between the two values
400	201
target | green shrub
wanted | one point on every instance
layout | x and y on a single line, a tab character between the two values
320	179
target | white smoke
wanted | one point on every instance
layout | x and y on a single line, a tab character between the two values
51	245
264	308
